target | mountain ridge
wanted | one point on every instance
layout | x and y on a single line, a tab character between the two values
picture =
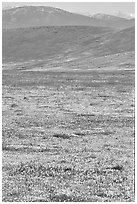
32	16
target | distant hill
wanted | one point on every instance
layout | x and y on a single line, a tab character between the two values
32	16
49	42
125	15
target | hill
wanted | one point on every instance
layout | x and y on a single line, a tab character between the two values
121	41
32	16
46	42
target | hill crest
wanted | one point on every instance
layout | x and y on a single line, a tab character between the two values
31	16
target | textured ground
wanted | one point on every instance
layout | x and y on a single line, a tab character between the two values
69	136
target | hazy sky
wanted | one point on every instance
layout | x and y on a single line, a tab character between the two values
83	7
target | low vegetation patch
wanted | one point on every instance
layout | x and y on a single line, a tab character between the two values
39	170
62	135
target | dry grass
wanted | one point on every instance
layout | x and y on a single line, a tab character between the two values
73	139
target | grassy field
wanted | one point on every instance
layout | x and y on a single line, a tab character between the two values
69	135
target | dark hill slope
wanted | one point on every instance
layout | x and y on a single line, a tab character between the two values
32	16
48	42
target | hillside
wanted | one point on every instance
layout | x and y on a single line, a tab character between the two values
32	16
122	41
46	42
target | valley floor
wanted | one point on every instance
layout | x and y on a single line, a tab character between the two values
68	136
